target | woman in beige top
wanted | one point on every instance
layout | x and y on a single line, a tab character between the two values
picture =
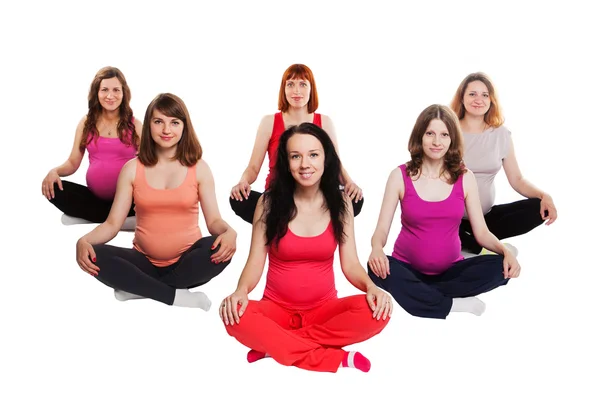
488	146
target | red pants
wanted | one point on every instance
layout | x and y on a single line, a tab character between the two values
312	339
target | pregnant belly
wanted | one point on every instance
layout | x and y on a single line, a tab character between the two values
102	180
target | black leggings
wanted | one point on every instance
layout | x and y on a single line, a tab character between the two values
504	221
130	271
78	201
430	296
245	208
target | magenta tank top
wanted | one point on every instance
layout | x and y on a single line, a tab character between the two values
107	157
428	239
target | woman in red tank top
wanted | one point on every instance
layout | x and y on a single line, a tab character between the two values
299	223
298	102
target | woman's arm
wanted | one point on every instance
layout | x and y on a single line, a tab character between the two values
482	234
379	301
255	264
394	191
330	129
351	266
515	177
527	189
261	144
107	230
72	164
208	200
226	235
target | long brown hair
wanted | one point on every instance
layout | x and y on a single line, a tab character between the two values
125	125
493	117
299	71
453	159
189	151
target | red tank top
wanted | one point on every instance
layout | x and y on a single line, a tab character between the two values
300	274
278	129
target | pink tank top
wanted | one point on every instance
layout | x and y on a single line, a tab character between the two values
278	129
428	239
166	219
300	274
106	158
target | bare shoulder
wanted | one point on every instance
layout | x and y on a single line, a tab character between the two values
128	170
81	124
267	121
202	169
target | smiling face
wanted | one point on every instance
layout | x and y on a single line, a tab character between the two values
110	94
165	131
306	158
436	140
476	99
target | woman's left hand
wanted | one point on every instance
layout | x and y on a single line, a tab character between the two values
512	269
380	302
353	191
547	205
227	242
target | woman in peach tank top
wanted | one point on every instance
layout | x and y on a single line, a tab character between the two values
166	181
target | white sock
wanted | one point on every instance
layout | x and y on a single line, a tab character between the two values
185	298
468	304
129	224
122	295
68	220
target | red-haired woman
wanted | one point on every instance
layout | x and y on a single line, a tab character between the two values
298	102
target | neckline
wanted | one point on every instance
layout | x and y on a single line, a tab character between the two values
310	237
430	201
285	126
164	190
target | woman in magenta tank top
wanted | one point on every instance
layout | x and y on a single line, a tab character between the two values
299	223
426	273
109	133
298	102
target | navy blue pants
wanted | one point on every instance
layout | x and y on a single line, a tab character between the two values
430	296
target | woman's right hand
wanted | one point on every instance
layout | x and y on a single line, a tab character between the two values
86	256
48	184
241	191
228	310
379	263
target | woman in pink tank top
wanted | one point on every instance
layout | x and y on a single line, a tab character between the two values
299	223
426	273
109	133
166	182
488	148
298	103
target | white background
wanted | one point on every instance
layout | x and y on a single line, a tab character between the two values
376	67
